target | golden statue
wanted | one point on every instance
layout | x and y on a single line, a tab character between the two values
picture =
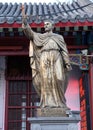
50	64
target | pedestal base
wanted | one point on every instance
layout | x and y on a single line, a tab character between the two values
54	112
55	123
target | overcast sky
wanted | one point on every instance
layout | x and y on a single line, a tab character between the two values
33	1
37	1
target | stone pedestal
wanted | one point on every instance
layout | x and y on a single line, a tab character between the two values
55	123
54	112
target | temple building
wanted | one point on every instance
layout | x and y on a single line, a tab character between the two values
18	98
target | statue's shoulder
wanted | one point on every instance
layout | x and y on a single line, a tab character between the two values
42	34
58	35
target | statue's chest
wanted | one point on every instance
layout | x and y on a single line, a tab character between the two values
50	44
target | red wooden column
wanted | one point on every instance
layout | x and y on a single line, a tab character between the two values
91	93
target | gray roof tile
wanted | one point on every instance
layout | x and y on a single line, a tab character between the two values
80	10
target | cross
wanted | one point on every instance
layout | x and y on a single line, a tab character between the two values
23	11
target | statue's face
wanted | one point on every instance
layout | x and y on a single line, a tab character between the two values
48	26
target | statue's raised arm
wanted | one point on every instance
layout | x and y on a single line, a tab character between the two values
24	16
26	27
23	11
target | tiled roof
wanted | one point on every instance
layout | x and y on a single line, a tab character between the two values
80	10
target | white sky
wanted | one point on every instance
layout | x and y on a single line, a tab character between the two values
35	1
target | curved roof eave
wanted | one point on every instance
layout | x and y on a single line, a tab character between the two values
77	13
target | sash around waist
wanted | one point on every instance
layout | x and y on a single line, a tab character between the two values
47	50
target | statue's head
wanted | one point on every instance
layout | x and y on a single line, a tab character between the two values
48	25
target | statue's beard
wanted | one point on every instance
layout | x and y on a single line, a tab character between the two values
48	29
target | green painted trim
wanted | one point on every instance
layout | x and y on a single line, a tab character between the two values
1	30
85	28
57	28
38	29
66	28
76	28
20	29
10	29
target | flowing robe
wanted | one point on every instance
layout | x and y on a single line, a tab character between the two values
49	56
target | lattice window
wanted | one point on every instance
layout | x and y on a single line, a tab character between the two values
22	103
21	99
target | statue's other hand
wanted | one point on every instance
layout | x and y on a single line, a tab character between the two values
68	67
31	60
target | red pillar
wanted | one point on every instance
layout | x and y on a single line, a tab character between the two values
91	93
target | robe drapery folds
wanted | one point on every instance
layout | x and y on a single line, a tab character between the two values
48	65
